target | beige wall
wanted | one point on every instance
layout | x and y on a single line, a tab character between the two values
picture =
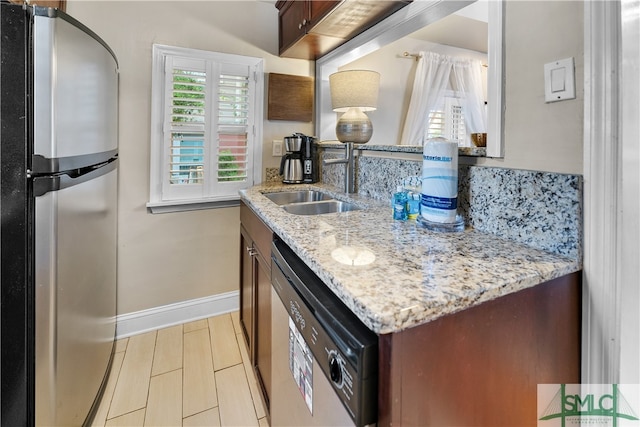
173	257
541	136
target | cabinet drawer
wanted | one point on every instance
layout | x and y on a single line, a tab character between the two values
258	230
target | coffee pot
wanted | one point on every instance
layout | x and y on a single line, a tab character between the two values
291	167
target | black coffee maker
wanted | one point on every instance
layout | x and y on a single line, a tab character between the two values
309	159
300	163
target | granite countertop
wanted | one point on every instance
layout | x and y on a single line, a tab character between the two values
409	275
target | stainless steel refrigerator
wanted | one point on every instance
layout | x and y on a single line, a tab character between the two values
58	185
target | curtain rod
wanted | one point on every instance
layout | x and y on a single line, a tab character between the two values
409	55
417	56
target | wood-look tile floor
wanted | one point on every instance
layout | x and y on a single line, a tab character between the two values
195	374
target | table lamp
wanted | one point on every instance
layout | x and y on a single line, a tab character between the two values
353	92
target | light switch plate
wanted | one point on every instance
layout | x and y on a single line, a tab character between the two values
276	148
559	80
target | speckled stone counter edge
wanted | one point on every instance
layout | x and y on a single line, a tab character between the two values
462	151
434	274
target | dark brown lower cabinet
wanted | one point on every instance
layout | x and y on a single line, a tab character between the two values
255	295
482	366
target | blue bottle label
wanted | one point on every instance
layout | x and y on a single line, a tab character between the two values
440	202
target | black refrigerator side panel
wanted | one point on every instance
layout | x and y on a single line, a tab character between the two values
16	305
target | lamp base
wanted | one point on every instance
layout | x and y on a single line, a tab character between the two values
354	126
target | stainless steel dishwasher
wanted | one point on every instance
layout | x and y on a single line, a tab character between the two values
324	359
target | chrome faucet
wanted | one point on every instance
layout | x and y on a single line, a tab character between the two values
349	164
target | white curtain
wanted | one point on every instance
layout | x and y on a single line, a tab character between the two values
435	74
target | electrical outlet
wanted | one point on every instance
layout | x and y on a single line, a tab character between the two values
276	149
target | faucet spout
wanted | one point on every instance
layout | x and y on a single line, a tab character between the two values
349	163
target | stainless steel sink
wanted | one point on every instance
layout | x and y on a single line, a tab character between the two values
286	197
309	202
320	207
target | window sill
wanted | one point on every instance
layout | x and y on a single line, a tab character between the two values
191	205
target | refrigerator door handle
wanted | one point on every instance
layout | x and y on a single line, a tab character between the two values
44	184
41	165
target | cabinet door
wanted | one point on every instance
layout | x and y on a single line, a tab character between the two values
263	322
319	9
255	295
293	18
246	290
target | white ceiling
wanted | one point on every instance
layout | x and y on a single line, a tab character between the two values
458	31
466	29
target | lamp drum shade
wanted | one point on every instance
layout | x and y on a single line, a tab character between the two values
354	88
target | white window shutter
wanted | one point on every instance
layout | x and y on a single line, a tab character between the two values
455	127
447	121
436	127
233	133
185	136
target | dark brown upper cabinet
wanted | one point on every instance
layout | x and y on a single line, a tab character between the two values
60	4
309	29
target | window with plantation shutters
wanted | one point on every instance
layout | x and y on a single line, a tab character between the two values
447	121
206	124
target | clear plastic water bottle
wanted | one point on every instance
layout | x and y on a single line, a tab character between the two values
413	205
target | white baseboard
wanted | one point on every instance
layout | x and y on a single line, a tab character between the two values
174	314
